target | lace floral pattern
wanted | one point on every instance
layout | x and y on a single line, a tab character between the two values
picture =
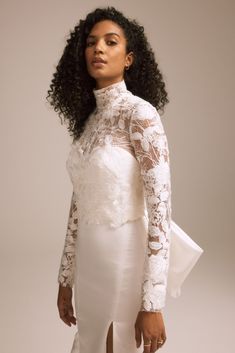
123	121
67	264
151	149
108	185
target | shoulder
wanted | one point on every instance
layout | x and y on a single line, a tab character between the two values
141	109
143	113
144	117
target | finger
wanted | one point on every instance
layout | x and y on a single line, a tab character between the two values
164	335
68	319
63	313
72	319
71	316
154	345
137	337
65	319
147	344
162	338
160	342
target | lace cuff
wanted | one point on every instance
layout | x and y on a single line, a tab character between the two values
67	263
151	149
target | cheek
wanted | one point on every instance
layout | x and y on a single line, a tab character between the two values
117	57
87	54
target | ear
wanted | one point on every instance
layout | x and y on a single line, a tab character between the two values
130	58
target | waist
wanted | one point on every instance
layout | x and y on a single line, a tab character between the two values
110	209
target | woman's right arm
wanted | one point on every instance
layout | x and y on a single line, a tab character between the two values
66	270
67	263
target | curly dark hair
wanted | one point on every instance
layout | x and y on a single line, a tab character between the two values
71	89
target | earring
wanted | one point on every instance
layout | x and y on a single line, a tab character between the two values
127	67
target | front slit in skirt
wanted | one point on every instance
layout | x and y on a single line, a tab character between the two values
107	287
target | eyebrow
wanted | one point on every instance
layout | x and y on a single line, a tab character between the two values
106	34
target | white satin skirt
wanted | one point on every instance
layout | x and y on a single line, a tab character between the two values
107	288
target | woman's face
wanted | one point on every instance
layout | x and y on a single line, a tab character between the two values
106	41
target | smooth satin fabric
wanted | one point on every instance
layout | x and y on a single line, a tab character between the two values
108	277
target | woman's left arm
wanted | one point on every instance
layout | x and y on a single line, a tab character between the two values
151	149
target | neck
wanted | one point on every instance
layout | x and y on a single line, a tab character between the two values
108	82
107	95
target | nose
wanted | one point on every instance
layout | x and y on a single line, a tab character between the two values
98	47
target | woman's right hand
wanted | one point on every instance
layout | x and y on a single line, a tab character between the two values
64	304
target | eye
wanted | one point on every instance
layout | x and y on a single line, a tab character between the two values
112	42
88	43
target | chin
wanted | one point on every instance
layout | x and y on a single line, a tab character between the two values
101	78
97	75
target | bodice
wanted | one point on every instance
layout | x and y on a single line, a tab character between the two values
107	184
102	164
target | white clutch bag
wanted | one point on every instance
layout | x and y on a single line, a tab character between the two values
184	253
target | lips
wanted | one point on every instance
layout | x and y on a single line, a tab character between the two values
99	60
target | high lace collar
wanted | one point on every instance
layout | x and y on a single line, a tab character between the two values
107	95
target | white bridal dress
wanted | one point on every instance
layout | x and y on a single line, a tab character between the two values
116	250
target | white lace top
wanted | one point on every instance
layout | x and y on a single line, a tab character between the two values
120	171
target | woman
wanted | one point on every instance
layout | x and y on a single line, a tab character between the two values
108	88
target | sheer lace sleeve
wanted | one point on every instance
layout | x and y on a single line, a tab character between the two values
66	270
151	150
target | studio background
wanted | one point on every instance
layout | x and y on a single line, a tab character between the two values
193	43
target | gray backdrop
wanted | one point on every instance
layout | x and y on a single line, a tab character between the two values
194	45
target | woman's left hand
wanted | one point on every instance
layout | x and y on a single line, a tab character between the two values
151	326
